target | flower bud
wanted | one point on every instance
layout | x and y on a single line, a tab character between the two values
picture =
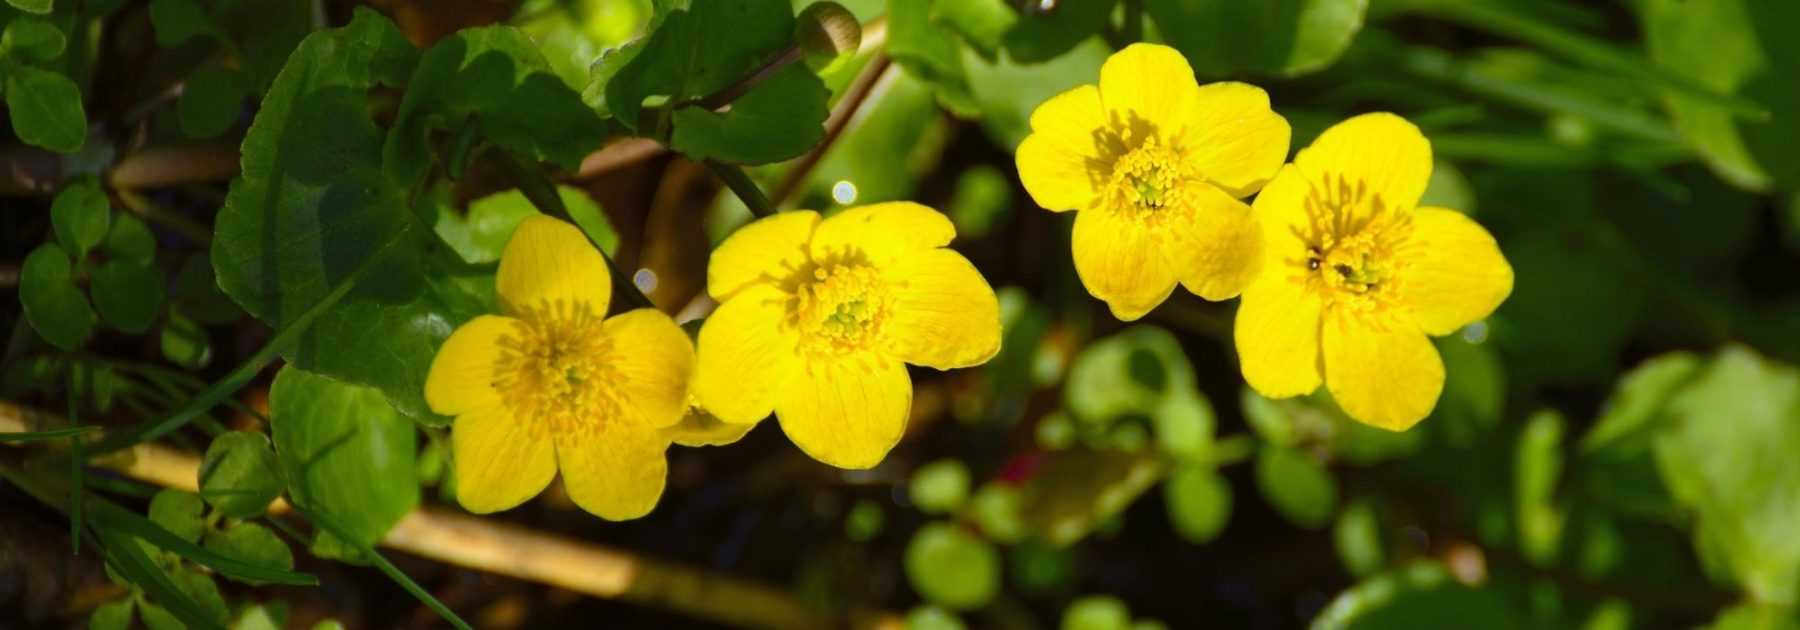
827	34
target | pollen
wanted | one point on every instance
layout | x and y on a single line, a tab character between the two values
1148	179
840	307
555	372
1356	245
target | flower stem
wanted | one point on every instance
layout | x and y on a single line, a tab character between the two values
741	185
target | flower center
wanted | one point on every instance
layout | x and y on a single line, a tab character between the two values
554	369
1354	241
841	307
1148	178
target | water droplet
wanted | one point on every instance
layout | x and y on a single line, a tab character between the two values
1475	333
843	192
645	280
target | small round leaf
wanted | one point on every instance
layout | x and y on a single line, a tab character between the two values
940	487
52	302
951	567
240	474
128	295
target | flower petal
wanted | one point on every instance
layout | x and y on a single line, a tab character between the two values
461	378
1234	138
1455	274
769	249
1381	150
1277	335
746	356
1221	250
1382	371
655	359
1148	83
944	313
882	232
1059	163
548	260
699	428
849	412
499	463
1121	261
614	470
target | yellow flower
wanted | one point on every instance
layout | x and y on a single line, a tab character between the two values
1356	276
554	383
817	319
1155	164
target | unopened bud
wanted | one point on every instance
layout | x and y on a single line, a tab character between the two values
827	34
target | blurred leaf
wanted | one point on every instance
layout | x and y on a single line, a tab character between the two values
197	294
1039	568
271	616
45	108
493	78
1562	278
480	236
332	438
884	150
1276	37
251	543
951	567
932	618
1133	372
1474	389
1537	469
1184	426
997	509
940	486
865	521
131	240
32	6
177	21
1199	502
239	475
211	100
1316	420
1638	400
105	515
125	555
1096	612
929	51
1040	36
1420	596
1448	188
983	197
1298	486
185	343
1751	616
50	299
1727	453
981	23
113	615
1078	489
699	51
1737	48
1007	92
179	513
32	38
80	215
1357	536
781	118
128	296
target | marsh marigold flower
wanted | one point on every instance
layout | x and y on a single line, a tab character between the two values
1356	276
817	320
1155	165
555	384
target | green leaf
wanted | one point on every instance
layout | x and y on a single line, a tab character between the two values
699	51
932	618
40	7
1727	454
51	301
997	509
45	108
124	555
1537	468
983	198
113	615
1357	536
780	118
1298	486
197	294
1199	502
1637	401
129	239
128	295
1078	489
1096	612
252	544
271	616
930	52
1040	36
210	101
332	439
1184	426
1739	48
1133	372
177	21
32	38
81	215
1750	616
480	236
1004	93
1272	37
178	512
1474	390
496	79
240	476
313	207
1424	595
185	343
939	487
104	514
983	24
951	567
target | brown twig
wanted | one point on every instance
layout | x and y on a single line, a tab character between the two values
853	99
518	552
158	167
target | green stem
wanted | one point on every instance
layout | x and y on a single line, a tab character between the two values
1233	449
740	184
247	370
393	572
537	188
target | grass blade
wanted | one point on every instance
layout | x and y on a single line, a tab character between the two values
393	572
135	566
44	436
123	520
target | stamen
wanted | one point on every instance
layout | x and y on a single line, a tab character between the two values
1354	244
840	307
555	372
1148	179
